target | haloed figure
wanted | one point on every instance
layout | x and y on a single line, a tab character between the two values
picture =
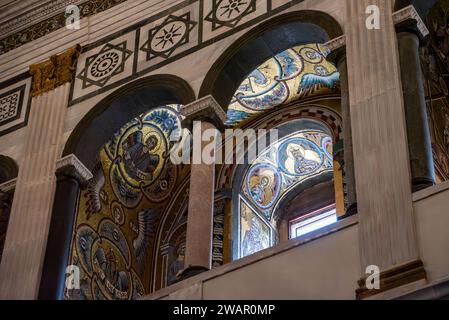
140	158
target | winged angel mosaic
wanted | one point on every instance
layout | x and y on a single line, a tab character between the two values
297	72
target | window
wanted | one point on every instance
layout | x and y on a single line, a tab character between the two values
313	221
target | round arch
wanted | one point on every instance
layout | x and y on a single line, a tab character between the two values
263	42
288	120
8	169
115	110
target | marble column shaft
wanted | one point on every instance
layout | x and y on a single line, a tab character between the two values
379	135
26	240
347	135
419	143
200	211
71	175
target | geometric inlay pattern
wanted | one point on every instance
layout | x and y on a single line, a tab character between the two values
101	67
165	38
14	103
10	105
228	13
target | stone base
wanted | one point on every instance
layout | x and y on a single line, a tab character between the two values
393	278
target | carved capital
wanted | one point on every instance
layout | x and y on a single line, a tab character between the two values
337	49
54	72
71	166
204	109
8	185
407	16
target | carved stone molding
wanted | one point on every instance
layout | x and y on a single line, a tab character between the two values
54	72
409	13
34	15
336	43
398	276
204	109
43	19
8	185
337	49
70	165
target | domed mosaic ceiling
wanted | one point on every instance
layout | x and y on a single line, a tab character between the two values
294	73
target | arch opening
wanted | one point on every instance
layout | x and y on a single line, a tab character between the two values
262	43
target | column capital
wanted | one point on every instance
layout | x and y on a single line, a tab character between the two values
71	166
54	72
337	49
8	186
409	20
204	109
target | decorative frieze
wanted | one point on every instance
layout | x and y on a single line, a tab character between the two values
47	18
54	72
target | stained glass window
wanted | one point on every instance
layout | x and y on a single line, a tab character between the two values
294	73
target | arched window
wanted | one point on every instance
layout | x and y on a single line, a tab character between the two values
284	167
288	190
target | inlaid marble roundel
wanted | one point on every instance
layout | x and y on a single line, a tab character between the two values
229	10
104	64
169	36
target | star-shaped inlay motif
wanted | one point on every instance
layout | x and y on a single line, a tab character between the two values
165	38
229	12
101	67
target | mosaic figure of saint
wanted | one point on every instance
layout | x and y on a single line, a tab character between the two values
254	239
301	160
260	191
140	158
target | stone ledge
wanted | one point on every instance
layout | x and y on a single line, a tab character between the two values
254	258
430	191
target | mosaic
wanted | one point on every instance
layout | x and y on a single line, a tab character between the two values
284	165
254	232
294	73
119	213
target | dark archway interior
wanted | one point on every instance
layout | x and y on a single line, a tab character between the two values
99	125
422	6
313	195
8	169
262	43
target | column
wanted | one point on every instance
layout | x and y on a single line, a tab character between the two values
202	184
410	29
6	197
23	255
338	56
387	236
71	175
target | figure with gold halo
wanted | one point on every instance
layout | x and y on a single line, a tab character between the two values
140	158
